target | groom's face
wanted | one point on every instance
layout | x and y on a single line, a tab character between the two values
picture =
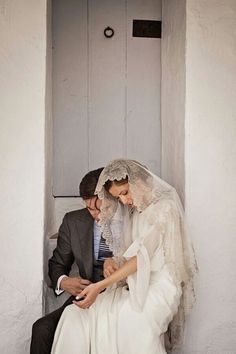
94	205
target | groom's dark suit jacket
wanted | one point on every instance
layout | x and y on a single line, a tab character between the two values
75	243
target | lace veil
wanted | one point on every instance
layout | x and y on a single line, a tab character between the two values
146	189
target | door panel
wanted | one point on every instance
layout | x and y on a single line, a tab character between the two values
106	92
107	61
143	87
70	95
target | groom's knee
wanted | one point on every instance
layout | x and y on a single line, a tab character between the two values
43	327
43	331
42	335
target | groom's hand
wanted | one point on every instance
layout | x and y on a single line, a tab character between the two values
109	267
74	285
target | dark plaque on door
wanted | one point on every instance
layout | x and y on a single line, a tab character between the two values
147	28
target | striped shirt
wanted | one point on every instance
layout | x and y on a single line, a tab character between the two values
101	250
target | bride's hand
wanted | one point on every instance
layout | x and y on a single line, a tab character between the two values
89	294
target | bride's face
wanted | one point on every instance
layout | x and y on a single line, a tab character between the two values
122	193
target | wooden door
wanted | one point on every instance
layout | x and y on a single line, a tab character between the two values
106	91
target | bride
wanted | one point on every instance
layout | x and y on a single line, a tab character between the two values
148	288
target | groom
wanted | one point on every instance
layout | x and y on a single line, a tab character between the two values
79	240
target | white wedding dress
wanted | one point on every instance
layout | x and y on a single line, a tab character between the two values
133	321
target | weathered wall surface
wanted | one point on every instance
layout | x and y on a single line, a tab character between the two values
208	61
22	159
210	162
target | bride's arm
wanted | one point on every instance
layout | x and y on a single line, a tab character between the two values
129	267
91	292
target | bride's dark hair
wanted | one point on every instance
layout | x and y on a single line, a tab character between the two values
109	183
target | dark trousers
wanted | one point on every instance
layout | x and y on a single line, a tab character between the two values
43	330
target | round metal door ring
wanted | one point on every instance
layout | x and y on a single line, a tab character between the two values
108	32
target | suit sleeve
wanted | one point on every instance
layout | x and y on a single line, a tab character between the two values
61	261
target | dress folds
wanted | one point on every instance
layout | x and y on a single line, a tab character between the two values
129	319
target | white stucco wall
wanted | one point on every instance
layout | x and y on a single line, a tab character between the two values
173	93
209	156
210	162
22	118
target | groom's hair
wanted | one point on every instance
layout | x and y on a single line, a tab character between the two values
88	184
